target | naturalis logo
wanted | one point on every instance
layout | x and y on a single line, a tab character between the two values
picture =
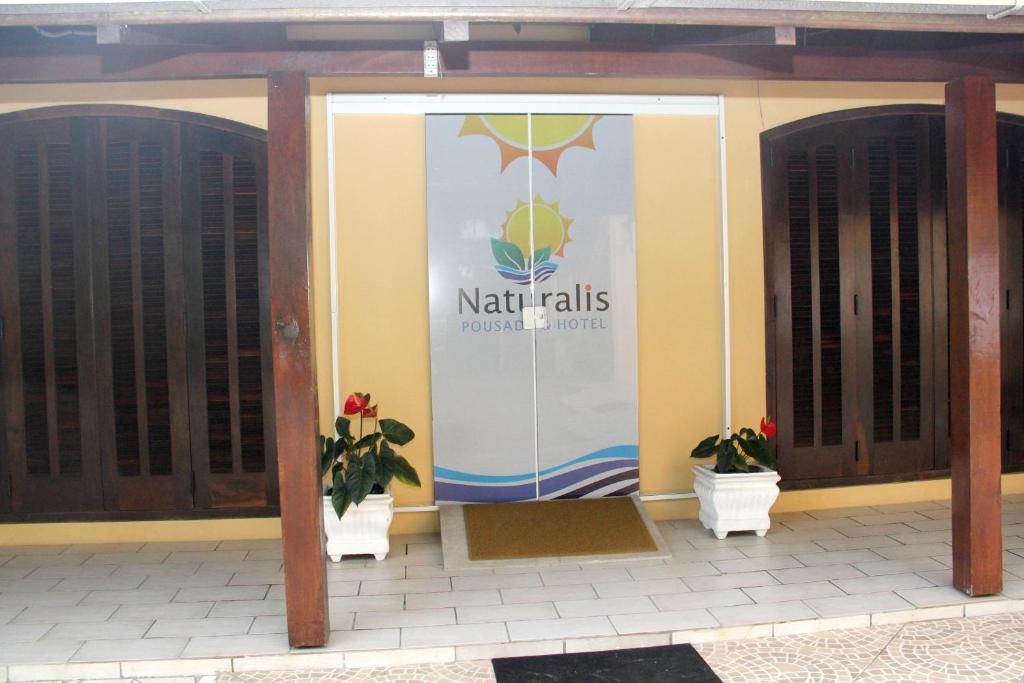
522	257
550	236
534	233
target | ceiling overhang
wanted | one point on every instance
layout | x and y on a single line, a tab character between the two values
929	15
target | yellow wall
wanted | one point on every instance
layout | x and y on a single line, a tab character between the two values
382	268
679	338
240	100
61	533
379	158
382	284
383	306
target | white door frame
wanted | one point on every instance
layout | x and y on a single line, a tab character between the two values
422	104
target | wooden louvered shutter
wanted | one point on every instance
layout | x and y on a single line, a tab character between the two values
228	311
813	341
134	307
45	279
140	318
855	226
1011	200
895	322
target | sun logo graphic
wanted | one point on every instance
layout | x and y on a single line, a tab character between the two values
552	135
550	235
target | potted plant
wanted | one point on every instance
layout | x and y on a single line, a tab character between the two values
358	506
737	492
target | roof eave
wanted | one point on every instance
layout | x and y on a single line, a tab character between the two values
147	14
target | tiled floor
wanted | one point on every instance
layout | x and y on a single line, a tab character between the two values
196	609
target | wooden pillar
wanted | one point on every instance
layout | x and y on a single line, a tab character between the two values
295	404
974	309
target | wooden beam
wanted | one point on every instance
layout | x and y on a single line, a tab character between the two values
295	406
974	345
379	12
685	35
759	62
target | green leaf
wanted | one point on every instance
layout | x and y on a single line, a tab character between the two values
327	455
750	447
541	255
340	498
766	457
396	432
385	464
726	457
508	254
706	448
366	441
371	468
360	477
342	426
406	473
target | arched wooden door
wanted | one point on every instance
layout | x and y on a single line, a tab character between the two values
856	277
134	301
1011	242
855	269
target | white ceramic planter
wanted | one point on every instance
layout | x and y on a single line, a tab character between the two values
363	530
735	502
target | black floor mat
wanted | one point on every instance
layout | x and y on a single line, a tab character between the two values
645	664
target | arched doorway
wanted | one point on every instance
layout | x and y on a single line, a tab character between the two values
135	299
856	282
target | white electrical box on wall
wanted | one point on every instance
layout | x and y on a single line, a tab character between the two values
431	60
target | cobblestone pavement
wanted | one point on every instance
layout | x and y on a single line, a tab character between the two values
969	650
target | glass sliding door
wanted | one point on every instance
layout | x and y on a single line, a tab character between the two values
481	355
532	306
586	356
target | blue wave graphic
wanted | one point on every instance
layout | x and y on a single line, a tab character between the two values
566	479
461	493
623	452
569	480
469	493
541	272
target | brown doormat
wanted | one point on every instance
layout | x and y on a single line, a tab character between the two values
552	528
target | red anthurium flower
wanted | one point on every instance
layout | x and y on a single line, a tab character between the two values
370	412
768	427
355	403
